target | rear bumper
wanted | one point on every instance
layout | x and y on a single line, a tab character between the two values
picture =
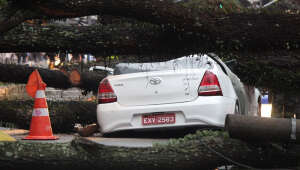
210	111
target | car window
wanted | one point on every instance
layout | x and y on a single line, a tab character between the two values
101	70
190	62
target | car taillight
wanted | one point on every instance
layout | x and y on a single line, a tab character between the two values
105	93
209	85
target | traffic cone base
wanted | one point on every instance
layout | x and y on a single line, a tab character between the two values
40	128
40	138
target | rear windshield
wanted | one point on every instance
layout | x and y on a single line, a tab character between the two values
190	62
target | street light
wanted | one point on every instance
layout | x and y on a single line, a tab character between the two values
266	107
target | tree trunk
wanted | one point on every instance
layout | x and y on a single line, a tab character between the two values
161	12
12	14
87	81
193	152
263	129
255	72
19	74
63	115
115	39
227	29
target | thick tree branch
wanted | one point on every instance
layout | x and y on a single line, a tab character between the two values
140	38
155	11
19	74
278	72
245	33
11	15
149	43
88	81
144	39
188	15
232	27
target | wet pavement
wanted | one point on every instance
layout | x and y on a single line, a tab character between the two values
19	135
127	142
139	139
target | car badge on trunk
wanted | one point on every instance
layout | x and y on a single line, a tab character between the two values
155	80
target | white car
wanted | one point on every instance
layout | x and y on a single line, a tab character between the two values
189	91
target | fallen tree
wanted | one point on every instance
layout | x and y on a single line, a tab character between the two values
260	36
87	81
140	39
63	115
19	74
229	28
261	73
263	129
115	39
12	14
193	152
264	71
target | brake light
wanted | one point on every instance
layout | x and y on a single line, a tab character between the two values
209	85
105	92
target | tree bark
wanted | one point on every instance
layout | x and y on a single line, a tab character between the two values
192	152
162	12
19	74
259	72
12	14
147	41
263	129
230	28
188	16
101	40
88	81
63	115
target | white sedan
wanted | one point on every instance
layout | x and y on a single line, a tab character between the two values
189	91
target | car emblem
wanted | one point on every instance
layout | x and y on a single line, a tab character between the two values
155	80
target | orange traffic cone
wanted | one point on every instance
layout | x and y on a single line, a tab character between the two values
40	127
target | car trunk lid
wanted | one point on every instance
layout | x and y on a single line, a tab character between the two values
157	87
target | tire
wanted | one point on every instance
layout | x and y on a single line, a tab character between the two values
237	108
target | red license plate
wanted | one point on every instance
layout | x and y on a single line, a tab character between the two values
157	119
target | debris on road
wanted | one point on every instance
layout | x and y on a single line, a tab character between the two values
87	130
6	137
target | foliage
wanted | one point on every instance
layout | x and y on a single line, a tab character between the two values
3	83
7	124
2	3
215	5
262	76
198	135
